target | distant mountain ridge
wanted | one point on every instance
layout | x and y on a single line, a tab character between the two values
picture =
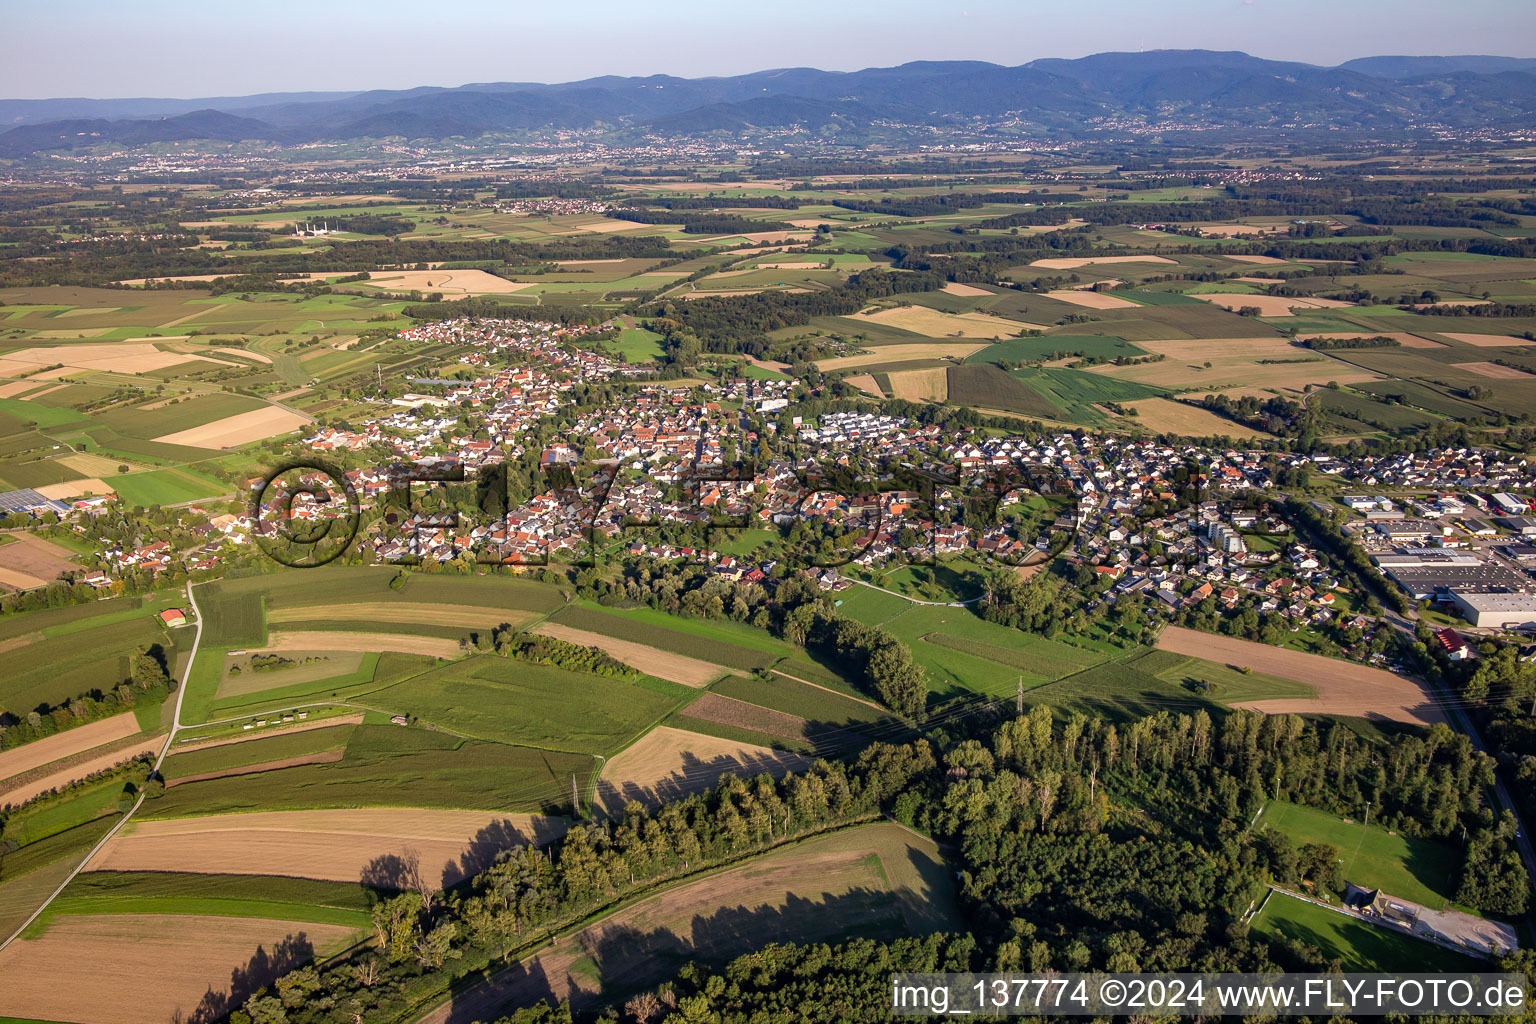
1194	88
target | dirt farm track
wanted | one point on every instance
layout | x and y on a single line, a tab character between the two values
1343	687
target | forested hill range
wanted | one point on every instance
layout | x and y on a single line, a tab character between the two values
1165	90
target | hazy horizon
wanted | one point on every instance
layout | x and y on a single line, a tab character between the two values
178	50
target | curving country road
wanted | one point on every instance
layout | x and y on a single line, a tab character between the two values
181	693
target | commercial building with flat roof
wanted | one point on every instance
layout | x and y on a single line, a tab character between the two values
1426	582
1499	611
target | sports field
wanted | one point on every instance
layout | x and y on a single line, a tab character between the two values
1357	945
1420	870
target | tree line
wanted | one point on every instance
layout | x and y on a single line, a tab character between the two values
1078	844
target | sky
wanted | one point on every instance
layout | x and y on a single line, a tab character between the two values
196	48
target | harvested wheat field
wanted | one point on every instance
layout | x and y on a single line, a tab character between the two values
334	845
13	388
1089	298
1167	415
76	488
1343	687
449	282
1261	280
875	879
1235	362
1073	262
66	744
117	357
91	465
1493	370
661	664
466	615
903	353
36	785
1269	305
668	764
11	579
931	385
1257	260
143	968
30	556
936	324
867	384
968	290
1403	338
610	225
243	428
328	640
767	364
1489	340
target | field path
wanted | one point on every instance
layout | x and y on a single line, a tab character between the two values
202	743
181	694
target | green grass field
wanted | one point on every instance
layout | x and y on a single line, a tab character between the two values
1359	946
47	818
782	693
163	892
257	751
167	487
148	424
636	345
964	654
54	669
1421	870
870	605
1023	350
533	705
1221	682
390	766
723	643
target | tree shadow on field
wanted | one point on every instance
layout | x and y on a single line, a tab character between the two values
264	968
629	959
696	775
390	873
488	844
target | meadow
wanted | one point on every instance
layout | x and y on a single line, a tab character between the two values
1421	870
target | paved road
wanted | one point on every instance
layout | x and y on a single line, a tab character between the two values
181	693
